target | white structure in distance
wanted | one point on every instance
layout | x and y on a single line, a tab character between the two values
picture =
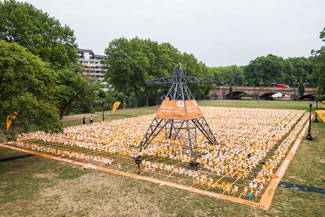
92	64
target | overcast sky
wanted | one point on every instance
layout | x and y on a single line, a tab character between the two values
217	32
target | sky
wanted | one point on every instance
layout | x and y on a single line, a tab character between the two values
216	32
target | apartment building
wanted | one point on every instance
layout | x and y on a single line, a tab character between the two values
92	63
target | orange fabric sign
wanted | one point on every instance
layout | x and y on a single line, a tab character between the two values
179	109
115	106
10	118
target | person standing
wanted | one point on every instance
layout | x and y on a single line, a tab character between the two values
84	120
91	119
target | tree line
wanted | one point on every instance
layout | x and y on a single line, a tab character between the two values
42	80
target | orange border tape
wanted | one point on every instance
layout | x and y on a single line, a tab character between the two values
264	203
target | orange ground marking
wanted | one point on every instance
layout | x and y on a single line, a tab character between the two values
267	197
264	203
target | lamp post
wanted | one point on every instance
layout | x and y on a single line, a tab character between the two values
103	110
316	119
309	137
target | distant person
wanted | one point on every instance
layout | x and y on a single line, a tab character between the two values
84	120
91	119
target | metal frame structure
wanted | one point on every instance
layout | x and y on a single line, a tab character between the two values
183	130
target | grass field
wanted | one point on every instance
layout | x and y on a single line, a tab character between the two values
35	186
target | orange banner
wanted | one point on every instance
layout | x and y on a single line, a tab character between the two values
179	109
115	106
10	118
321	114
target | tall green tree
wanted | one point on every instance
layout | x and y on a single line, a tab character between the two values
301	89
27	87
131	62
195	68
162	58
73	88
230	92
125	66
267	69
41	34
319	63
228	74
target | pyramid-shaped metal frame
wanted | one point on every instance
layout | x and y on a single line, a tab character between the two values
184	130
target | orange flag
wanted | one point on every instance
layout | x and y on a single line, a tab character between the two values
115	106
10	118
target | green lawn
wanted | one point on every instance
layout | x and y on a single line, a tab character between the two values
271	104
36	186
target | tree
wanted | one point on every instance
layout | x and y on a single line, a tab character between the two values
267	69
230	92
195	68
162	58
38	32
319	63
228	74
131	62
125	66
301	89
27	87
73	88
118	71
301	68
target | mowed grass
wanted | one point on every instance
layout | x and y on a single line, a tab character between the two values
269	104
36	186
119	114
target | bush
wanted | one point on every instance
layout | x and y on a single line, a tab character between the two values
294	97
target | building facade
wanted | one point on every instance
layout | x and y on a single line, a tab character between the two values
92	63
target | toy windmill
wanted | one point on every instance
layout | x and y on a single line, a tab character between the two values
179	114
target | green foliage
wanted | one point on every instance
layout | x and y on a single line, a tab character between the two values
38	32
272	68
228	74
27	87
268	69
230	92
74	89
294	97
131	62
298	68
319	61
112	96
301	89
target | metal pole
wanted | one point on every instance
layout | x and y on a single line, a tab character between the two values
103	110
316	119
309	137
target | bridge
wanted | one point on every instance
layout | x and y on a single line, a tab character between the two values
222	92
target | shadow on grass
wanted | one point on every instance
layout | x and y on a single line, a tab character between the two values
16	157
